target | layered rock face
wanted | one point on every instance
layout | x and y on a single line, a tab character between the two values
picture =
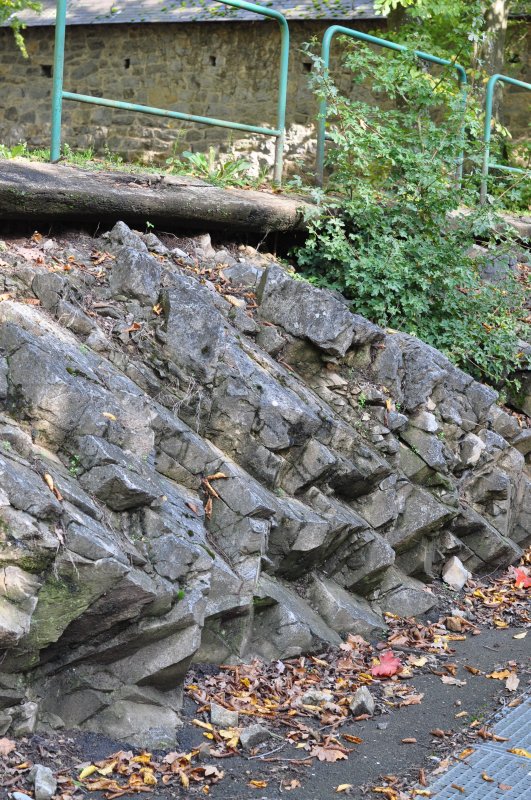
202	457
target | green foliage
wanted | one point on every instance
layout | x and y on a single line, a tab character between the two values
213	168
8	12
387	233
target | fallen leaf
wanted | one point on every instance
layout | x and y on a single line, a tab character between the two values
512	682
520	635
504	787
344	787
330	754
438	732
467	752
157	309
417	661
487	777
90	770
500	676
216	476
208	508
193	507
521	578
389	665
108	415
452	681
293	784
390	793
472	670
422	777
354	739
461	714
459	788
421	793
411	740
135	326
519	751
258	784
6	746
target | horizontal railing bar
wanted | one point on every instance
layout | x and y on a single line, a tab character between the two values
162	112
509	169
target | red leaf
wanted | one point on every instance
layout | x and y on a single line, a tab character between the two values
389	665
521	579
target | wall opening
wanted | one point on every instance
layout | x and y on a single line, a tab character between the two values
46	70
212	60
127	63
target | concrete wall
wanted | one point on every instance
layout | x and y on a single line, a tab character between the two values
226	70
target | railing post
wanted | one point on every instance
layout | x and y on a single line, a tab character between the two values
486	137
58	68
282	99
366	37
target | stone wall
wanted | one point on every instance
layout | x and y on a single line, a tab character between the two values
213	69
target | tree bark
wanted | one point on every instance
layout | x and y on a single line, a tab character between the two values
493	51
55	192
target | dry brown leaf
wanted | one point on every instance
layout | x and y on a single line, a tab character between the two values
410	740
501	675
487	777
108	415
208	508
7	746
293	784
452	681
459	788
343	787
504	787
472	670
519	751
258	784
217	476
512	682
467	752
349	738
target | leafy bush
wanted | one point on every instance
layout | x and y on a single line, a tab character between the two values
386	233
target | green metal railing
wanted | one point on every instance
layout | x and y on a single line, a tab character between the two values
487	165
365	37
279	132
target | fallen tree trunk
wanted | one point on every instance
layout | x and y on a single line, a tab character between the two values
55	192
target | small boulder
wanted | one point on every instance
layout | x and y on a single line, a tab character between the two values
253	736
223	717
136	274
44	782
362	702
313	697
455	573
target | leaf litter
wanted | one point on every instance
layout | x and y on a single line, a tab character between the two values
307	700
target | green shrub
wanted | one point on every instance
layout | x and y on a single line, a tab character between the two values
385	234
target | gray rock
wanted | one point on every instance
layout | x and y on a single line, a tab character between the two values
292	305
455	574
254	735
121	234
120	488
316	696
362	702
222	717
154	244
20	796
244	274
44	782
136	274
342	611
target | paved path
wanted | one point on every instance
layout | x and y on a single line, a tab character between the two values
511	772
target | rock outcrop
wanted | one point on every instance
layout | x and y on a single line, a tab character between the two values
204	458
